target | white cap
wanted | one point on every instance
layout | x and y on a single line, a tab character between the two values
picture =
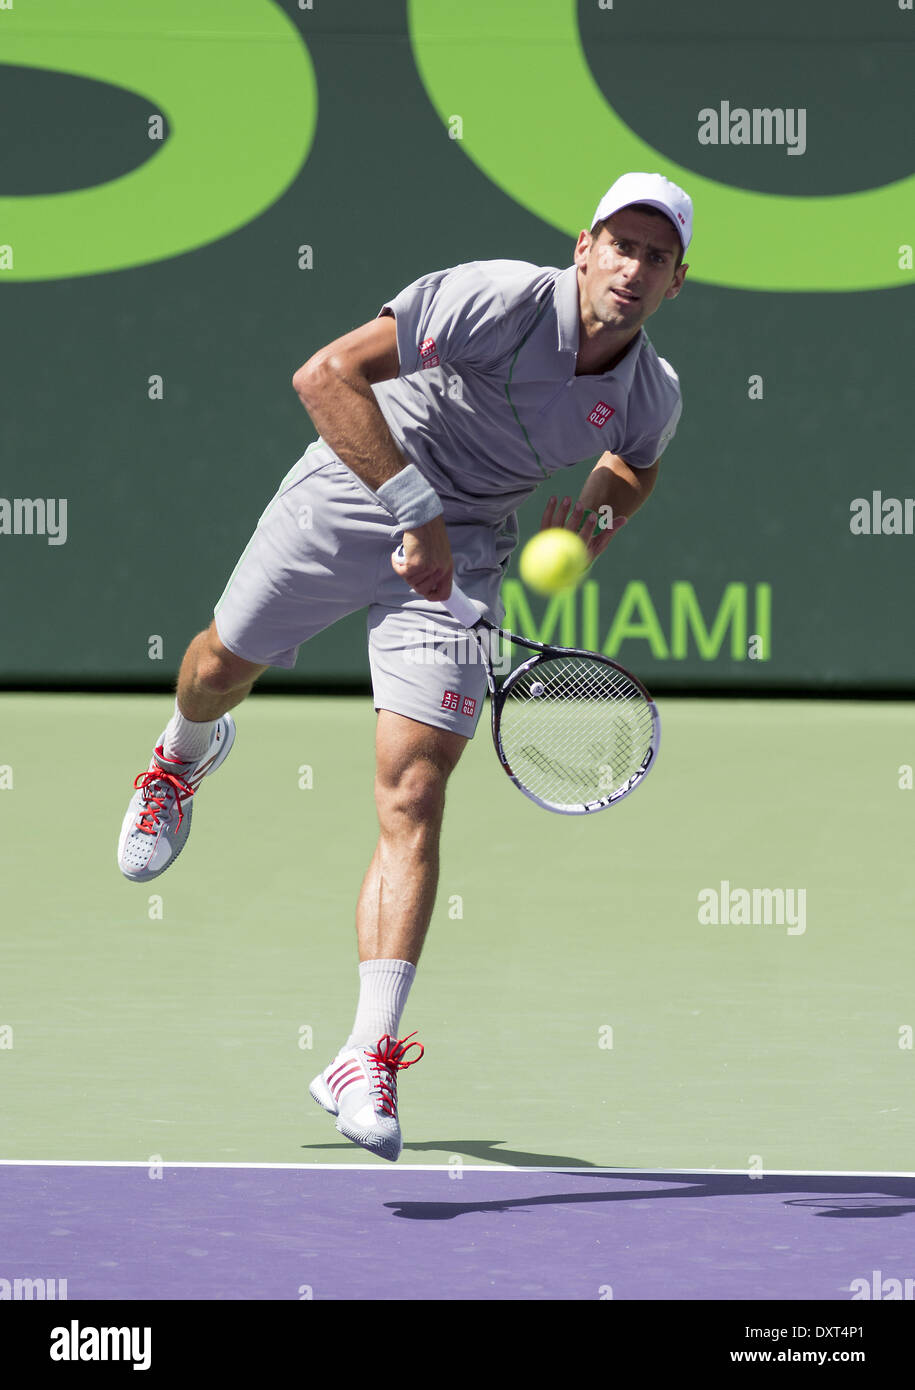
655	190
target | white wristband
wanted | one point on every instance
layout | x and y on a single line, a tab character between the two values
409	498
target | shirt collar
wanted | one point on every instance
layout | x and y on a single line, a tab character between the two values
565	299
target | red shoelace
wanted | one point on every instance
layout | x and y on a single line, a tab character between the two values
154	806
385	1061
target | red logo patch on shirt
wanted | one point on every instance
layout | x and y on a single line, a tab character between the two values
428	357
468	706
601	414
450	700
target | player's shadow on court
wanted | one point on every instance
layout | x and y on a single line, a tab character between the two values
838	1197
483	1150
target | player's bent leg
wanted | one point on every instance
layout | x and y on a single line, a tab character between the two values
213	680
413	764
196	742
290	583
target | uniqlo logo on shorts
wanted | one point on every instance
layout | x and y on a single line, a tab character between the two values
468	706
450	699
601	414
428	357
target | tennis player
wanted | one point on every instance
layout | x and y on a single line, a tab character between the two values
436	420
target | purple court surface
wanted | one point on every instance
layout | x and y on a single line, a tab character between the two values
114	1232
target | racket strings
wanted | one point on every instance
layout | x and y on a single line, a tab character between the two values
576	730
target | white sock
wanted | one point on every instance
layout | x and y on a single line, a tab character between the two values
383	989
185	741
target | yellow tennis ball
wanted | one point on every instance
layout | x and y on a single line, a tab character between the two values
553	560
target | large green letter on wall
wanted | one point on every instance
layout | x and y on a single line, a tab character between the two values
236	83
533	117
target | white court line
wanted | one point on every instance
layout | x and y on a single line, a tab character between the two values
381	1167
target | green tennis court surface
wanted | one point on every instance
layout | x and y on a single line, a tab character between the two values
734	1045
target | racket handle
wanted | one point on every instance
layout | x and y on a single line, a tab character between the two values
462	607
457	602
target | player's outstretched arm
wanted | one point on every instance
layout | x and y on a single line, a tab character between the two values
613	492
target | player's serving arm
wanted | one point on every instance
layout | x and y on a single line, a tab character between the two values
335	387
435	422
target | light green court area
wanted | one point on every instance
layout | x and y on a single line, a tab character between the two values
576	1003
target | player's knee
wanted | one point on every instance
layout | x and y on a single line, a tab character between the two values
414	798
220	670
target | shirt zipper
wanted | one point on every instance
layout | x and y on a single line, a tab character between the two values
555	396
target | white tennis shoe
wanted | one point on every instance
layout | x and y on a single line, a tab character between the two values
158	819
360	1088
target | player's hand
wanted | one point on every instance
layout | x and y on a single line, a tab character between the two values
428	565
596	531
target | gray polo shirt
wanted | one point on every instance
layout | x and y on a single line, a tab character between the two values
487	403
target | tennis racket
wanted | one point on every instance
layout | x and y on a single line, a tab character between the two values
574	731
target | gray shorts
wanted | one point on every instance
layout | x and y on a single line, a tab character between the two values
322	550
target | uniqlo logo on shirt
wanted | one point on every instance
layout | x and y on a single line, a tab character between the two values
450	700
428	357
468	706
601	414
